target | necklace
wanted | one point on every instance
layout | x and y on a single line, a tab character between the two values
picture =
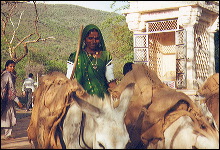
94	65
92	53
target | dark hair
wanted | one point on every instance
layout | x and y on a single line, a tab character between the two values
30	75
92	30
127	67
8	63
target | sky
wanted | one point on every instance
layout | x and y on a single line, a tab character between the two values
99	5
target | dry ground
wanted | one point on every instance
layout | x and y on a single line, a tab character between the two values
19	132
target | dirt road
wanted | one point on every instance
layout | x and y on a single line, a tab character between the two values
19	132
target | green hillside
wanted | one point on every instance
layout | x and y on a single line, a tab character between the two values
63	22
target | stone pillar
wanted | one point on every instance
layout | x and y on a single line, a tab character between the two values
133	21
212	53
190	57
188	17
212	29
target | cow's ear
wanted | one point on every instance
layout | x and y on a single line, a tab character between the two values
125	98
87	107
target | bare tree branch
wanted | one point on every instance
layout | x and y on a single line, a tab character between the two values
6	18
15	29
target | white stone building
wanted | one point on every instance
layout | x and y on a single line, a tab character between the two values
176	40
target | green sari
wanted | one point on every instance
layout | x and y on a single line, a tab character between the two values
92	80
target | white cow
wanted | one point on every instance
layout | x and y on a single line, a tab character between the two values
65	116
182	135
97	125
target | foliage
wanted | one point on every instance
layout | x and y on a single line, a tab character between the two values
63	22
125	6
55	65
122	50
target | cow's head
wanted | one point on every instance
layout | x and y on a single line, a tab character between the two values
104	124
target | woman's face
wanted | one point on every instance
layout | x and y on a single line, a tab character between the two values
92	40
11	67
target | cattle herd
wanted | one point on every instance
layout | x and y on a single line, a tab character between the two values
140	113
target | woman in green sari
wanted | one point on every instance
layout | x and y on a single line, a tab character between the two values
94	70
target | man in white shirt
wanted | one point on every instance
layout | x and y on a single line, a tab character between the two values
28	88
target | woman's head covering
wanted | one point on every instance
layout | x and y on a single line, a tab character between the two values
85	32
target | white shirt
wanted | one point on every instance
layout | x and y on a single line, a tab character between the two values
29	83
